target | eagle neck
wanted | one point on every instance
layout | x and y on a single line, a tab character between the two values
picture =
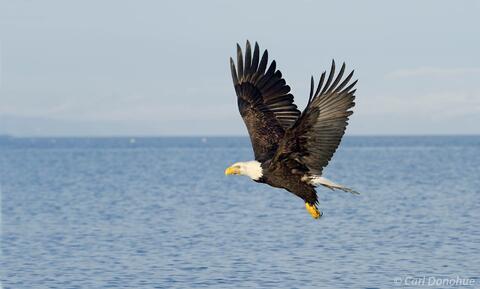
252	169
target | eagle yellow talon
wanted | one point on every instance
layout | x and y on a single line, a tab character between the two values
312	209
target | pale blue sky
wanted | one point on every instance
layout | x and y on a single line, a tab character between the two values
161	67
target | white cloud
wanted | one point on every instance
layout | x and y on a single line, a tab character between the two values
433	72
442	104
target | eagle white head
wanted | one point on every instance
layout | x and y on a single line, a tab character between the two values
252	169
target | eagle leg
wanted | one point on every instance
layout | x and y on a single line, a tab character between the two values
313	210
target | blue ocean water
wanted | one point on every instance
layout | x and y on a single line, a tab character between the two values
160	213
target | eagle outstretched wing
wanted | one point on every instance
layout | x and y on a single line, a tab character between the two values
310	143
264	100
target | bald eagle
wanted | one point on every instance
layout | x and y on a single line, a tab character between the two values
291	148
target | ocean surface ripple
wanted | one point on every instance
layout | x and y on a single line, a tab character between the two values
160	213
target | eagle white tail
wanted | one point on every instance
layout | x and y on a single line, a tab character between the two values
317	180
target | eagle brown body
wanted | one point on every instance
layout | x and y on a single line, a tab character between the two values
280	175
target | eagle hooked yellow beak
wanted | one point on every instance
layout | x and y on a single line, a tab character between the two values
233	170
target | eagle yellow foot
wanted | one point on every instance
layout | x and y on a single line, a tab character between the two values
312	209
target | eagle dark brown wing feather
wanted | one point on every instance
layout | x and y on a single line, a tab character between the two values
310	143
264	101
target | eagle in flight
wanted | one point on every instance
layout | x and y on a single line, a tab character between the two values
291	148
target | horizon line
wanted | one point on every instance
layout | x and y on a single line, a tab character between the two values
223	136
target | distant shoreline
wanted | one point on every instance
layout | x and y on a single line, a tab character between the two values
8	136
